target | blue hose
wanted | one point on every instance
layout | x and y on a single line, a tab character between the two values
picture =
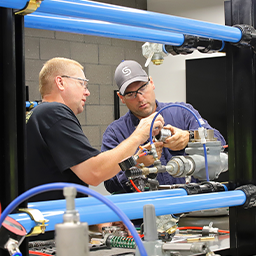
58	186
178	105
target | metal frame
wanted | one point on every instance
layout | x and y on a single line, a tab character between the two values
241	127
12	69
241	117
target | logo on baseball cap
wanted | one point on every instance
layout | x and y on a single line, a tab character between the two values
127	72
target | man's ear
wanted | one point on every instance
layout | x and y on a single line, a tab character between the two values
151	82
121	97
59	83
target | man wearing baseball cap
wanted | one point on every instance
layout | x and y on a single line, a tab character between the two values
136	91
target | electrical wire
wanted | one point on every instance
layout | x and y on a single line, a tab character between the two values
178	105
82	189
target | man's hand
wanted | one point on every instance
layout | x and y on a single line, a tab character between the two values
143	129
179	139
149	159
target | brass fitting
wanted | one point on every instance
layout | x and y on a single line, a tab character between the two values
30	7
38	218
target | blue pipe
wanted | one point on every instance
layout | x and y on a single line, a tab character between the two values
82	189
134	210
90	201
101	28
178	105
133	17
28	103
15	4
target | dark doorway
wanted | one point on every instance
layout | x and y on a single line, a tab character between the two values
206	90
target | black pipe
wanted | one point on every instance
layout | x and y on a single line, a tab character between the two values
8	135
191	43
116	105
21	113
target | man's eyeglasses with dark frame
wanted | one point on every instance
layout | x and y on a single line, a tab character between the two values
133	94
85	81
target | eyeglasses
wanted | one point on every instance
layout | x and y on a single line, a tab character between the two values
133	94
83	82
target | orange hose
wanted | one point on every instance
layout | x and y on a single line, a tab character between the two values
38	253
200	228
134	186
224	231
140	147
142	154
182	228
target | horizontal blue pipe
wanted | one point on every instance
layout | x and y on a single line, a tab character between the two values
28	103
89	201
134	17
134	209
14	4
20	4
101	28
82	189
140	18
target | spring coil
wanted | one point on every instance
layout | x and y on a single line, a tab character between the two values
121	242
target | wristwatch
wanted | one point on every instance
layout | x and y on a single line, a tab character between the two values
191	135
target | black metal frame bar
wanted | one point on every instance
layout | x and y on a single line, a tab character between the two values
116	105
12	107
241	126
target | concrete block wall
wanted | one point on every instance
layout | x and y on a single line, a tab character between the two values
98	55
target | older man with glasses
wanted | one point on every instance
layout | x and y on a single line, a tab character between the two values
136	91
58	150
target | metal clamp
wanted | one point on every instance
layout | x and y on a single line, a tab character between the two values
38	218
30	7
